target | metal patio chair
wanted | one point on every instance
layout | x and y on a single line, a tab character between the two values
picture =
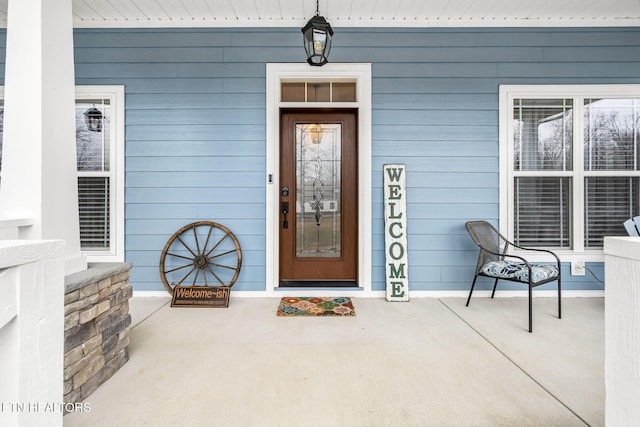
496	262
632	225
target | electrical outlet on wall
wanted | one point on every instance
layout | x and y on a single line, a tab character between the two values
577	268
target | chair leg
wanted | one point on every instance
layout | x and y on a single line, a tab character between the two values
530	308
559	300
471	291
495	285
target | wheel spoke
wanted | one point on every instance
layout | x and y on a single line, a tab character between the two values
206	243
180	256
217	244
224	266
216	276
195	235
188	274
177	268
185	245
196	278
223	253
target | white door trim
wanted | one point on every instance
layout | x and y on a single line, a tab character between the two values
361	73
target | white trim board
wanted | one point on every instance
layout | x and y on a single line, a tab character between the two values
382	294
361	74
116	95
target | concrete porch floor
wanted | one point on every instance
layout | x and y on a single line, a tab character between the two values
426	362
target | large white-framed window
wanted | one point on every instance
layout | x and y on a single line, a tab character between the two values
569	165
99	116
100	159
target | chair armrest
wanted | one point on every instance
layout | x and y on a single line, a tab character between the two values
538	250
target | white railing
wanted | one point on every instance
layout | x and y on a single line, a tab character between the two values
31	332
622	330
10	228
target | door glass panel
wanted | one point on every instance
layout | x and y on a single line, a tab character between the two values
318	165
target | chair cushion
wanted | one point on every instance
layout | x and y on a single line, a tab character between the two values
519	271
539	273
502	269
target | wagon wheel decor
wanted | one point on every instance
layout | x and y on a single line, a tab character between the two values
202	253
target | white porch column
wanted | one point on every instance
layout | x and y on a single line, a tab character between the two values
31	333
39	154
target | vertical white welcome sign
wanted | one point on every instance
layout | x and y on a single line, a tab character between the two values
395	235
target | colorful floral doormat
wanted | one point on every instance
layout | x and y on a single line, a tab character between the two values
314	306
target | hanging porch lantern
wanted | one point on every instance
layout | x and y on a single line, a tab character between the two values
317	34
93	117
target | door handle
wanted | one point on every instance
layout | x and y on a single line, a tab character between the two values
284	207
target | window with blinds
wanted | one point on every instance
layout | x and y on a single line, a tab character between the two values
543	208
575	169
609	201
93	206
542	146
611	133
93	147
611	138
94	165
99	120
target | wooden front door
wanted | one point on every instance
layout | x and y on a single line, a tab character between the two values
318	198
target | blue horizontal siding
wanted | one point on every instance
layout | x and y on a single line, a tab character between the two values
196	123
155	101
150	54
206	211
159	148
440	54
193	132
194	195
193	116
431	117
194	164
420	132
441	164
190	179
446	102
150	228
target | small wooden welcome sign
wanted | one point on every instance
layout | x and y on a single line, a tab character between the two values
201	296
395	235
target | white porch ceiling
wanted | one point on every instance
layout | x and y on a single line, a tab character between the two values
351	13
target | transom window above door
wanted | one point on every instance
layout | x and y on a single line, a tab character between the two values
318	91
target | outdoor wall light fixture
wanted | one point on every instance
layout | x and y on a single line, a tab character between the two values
93	117
317	36
315	132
